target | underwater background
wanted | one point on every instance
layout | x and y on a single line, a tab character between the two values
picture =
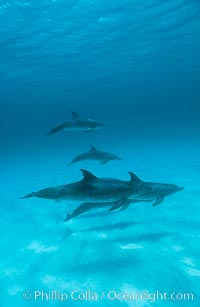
135	66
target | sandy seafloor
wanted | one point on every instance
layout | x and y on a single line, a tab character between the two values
155	248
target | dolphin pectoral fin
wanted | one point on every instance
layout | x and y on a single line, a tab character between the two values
118	204
88	130
124	207
127	202
158	201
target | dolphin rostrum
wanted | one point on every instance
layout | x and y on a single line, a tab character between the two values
96	155
78	123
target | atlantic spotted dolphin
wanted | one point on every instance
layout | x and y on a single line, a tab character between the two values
153	191
78	123
95	155
97	192
93	189
87	206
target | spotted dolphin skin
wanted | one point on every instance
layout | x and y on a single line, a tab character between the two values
78	123
95	155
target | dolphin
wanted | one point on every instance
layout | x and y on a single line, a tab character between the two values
93	189
155	191
78	123
87	206
96	155
97	192
94	192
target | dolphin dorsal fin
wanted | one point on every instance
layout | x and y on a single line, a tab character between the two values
75	115
134	178
92	148
87	175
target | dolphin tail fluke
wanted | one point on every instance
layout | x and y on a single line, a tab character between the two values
28	195
56	129
68	217
53	131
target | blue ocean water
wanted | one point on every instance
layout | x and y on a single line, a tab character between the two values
135	66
